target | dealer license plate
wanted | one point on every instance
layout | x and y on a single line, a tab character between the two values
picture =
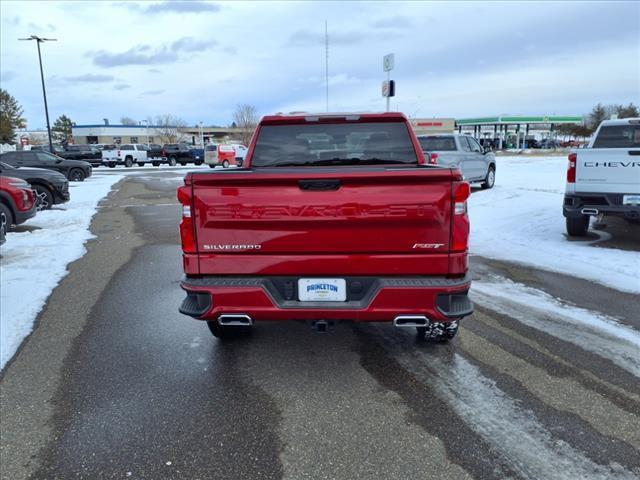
322	290
631	200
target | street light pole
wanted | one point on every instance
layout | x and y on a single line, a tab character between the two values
40	40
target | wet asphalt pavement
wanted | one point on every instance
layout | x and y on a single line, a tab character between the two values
115	383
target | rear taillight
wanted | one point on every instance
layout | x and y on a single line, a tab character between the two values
460	220
164	153
571	168
433	158
187	234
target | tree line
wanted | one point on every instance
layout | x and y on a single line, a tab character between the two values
599	113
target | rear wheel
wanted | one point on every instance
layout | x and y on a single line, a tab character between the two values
578	226
141	164
155	164
198	162
212	166
112	165
225	164
172	161
44	197
438	331
6	218
128	162
76	175
490	179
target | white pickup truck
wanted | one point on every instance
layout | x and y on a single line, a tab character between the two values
604	178
126	155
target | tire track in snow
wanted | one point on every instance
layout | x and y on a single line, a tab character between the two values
515	432
596	333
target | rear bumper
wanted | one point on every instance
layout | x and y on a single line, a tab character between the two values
369	299
578	204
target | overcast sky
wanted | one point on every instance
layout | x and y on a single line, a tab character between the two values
198	60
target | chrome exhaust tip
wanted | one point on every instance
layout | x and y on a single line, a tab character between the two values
589	211
235	320
410	321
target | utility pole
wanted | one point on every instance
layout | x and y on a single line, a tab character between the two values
40	40
326	62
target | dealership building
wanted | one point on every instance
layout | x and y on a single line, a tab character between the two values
120	134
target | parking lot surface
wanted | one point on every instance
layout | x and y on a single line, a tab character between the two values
115	383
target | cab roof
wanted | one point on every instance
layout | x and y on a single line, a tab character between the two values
308	117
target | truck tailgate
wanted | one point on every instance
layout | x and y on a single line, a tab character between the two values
280	216
610	170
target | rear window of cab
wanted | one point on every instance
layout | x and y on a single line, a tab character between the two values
317	144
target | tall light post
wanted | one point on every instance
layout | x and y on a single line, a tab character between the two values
40	40
146	124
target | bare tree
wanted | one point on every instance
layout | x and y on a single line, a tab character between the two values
167	128
128	121
246	119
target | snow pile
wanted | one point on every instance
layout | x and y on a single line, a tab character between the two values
520	220
34	262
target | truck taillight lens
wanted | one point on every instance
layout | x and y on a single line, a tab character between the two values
433	158
460	219
571	168
187	234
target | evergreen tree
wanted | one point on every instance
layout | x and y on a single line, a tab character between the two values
10	117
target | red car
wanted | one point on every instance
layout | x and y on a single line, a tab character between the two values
17	202
332	217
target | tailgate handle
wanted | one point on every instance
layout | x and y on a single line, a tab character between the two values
634	152
328	184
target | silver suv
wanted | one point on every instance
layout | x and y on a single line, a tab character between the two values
462	151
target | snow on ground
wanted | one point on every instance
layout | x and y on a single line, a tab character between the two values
520	220
33	262
597	333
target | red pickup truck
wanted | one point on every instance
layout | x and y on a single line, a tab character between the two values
332	217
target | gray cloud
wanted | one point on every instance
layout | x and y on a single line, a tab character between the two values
153	92
190	44
169	6
90	78
7	75
139	55
34	26
121	86
153	70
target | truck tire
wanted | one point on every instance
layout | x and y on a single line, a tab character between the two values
172	161
198	162
155	164
438	331
490	179
578	226
6	218
224	331
112	165
184	164
211	165
225	164
141	164
44	197
128	161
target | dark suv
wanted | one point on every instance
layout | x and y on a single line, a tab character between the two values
181	153
50	187
74	170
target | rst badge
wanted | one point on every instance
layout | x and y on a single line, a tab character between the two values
427	245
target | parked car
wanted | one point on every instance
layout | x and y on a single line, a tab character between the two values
88	153
604	179
220	155
50	188
180	153
368	232
476	163
17	202
241	152
157	154
127	155
74	170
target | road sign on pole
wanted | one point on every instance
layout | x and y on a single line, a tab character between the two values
387	62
